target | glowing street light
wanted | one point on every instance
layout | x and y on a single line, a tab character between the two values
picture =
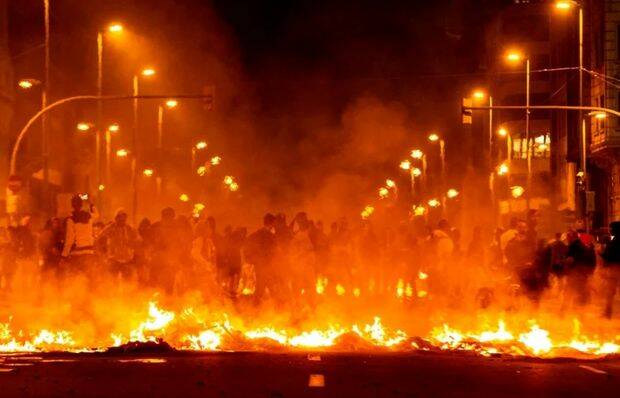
514	56
183	197
233	187
433	137
101	187
147	72
417	154
502	132
434	203
405	165
27	84
171	103
122	153
517	191
83	126
201	171
563	5
228	180
383	192
416	172
503	169
479	94
215	160
367	212
390	183
452	193
114	128
148	172
598	115
115	27
419	210
201	145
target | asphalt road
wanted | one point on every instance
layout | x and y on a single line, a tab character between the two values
289	375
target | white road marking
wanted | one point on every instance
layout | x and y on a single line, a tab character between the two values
593	370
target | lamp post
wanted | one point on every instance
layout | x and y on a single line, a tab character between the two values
442	154
146	72
515	57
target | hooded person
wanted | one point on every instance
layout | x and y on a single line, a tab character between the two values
611	268
119	242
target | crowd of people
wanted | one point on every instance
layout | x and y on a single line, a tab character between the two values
282	260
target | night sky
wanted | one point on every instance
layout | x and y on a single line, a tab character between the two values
305	89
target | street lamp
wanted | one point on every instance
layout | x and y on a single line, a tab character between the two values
514	56
27	84
171	103
122	153
84	126
199	146
502	132
115	28
112	129
442	154
148	172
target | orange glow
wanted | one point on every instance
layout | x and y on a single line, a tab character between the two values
405	165
83	126
452	193
147	72
183	197
228	180
114	128
419	210
517	191
416	172
502	132
433	137
115	28
171	103
148	172
367	212
513	56
202	170
27	83
503	169
390	183
383	192
417	154
215	160
122	153
434	203
201	145
101	187
479	94
234	187
563	5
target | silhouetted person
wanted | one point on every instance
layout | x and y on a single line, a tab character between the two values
119	240
260	250
79	242
611	268
579	264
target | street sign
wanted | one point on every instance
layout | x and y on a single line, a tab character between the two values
467	113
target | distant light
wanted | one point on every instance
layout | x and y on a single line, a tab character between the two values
479	94
514	56
433	137
198	207
114	128
416	172
563	5
434	203
383	192
148	172
172	103
228	180
390	183
419	210
183	197
417	154
83	126
234	187
202	170
201	145
215	160
517	191
543	147
599	115
115	28
27	83
101	187
122	153
405	165
147	72
452	193
503	169
502	132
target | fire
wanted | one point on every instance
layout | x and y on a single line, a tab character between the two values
537	340
157	320
321	284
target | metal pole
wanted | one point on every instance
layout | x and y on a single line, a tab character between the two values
108	156
44	98
160	140
134	177
527	133
581	119
99	129
442	155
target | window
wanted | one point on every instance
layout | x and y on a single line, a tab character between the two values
540	144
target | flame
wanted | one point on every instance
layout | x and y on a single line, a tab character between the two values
537	340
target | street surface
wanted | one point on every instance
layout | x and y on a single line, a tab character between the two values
225	375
